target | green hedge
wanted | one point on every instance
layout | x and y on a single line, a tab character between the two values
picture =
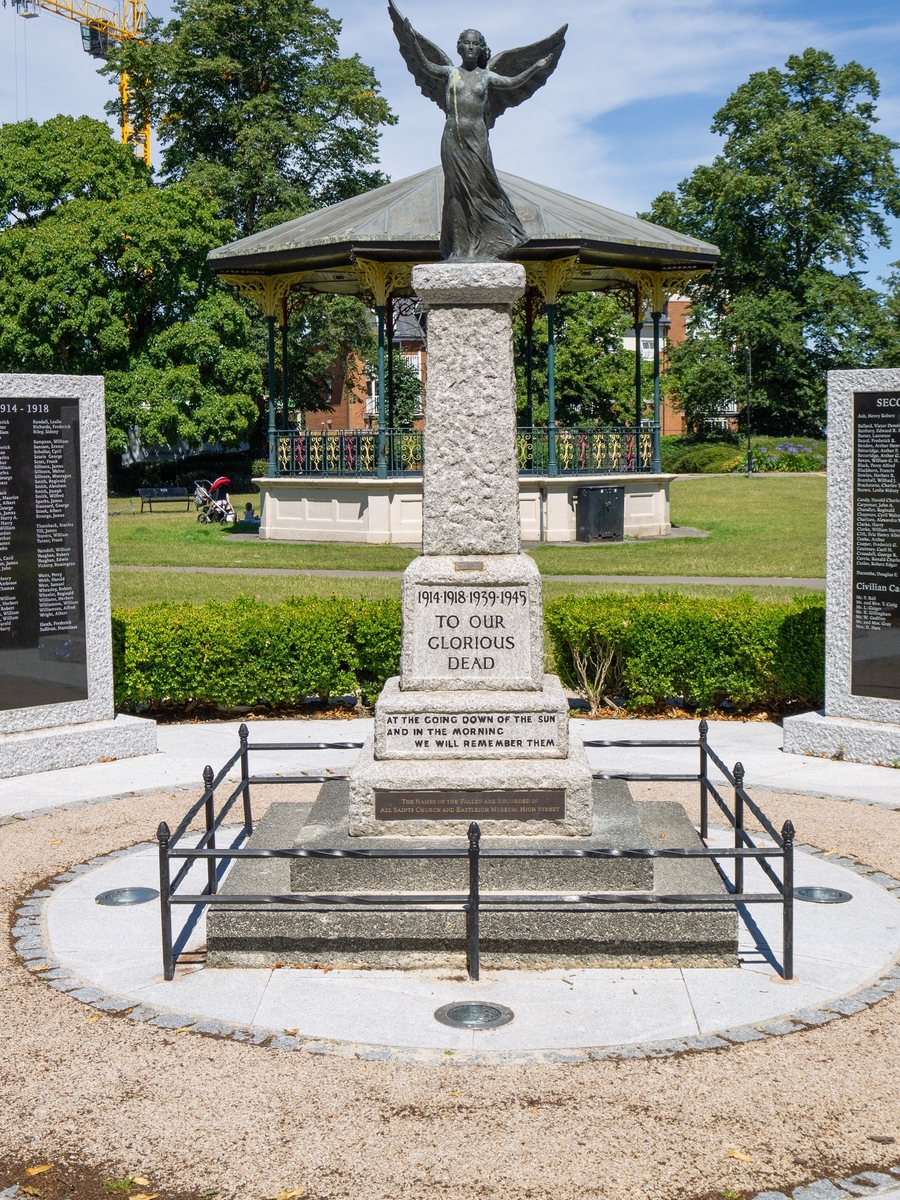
643	648
244	652
648	648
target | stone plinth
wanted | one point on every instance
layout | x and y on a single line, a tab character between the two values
547	796
861	721
487	724
472	623
497	748
470	476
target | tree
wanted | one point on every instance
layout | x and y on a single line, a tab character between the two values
255	105
700	374
594	373
802	183
120	286
331	339
408	394
65	158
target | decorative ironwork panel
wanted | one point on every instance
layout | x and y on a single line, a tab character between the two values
597	450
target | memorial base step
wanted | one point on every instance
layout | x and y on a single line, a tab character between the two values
251	937
516	797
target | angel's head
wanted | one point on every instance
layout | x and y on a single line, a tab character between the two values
472	49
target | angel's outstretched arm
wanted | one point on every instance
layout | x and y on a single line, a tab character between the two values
435	70
514	81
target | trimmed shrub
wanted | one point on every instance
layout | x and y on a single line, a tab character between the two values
646	649
244	652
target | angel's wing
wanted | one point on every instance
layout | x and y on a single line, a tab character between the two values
414	48
513	62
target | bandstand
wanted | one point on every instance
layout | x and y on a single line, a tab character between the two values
365	485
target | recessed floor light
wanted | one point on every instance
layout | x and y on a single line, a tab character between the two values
127	895
822	895
474	1015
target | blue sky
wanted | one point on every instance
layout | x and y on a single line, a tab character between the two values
626	115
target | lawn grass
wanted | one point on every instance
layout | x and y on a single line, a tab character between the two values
174	538
131	589
769	525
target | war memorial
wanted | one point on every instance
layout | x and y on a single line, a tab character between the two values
472	740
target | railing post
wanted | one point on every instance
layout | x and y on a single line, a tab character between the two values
738	773
165	901
244	734
210	807
787	944
472	909
704	787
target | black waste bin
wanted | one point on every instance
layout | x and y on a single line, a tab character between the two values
600	514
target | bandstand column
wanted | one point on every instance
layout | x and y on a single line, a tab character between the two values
657	457
380	310
551	389
273	457
638	403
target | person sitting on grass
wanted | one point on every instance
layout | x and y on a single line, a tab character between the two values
249	515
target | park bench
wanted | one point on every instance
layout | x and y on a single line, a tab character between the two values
150	495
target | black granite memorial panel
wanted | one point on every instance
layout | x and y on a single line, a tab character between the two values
42	617
876	545
507	804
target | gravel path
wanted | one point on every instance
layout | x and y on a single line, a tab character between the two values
190	1113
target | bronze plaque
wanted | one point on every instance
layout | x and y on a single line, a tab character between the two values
501	804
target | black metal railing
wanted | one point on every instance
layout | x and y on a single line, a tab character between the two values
591	450
474	902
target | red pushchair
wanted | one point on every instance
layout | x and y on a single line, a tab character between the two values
212	501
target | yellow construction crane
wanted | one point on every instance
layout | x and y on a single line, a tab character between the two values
101	29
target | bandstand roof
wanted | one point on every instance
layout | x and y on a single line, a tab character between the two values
400	222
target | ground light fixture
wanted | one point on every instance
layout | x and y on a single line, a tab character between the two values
822	895
127	895
474	1015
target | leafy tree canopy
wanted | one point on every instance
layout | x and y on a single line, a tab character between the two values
594	372
120	287
408	395
65	158
254	103
802	183
331	339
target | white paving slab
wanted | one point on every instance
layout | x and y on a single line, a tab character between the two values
184	750
839	948
756	744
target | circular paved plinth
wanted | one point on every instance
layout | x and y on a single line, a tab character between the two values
110	957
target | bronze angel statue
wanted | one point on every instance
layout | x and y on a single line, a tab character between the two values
479	222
